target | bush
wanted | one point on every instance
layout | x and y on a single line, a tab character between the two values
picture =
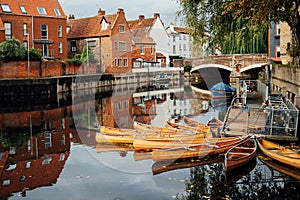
187	68
76	60
12	50
34	55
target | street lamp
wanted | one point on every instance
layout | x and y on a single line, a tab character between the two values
28	61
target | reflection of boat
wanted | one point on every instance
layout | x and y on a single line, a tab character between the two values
108	147
201	94
279	167
196	124
169	165
279	153
200	150
240	154
196	130
141	155
232	176
120	139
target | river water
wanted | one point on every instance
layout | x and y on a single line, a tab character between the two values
49	151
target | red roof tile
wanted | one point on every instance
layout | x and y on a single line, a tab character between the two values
31	7
181	30
90	27
141	28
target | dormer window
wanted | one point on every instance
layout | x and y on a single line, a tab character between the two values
57	12
23	10
104	25
121	28
5	8
42	11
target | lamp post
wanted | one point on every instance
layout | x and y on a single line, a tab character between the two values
28	61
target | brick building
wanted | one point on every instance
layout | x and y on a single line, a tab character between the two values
36	24
107	35
143	48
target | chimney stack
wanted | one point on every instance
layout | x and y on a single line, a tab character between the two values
101	12
71	16
156	15
141	17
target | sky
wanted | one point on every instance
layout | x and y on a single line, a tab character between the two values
132	8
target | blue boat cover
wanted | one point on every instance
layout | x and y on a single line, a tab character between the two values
222	87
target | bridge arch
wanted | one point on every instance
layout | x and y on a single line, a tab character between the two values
211	66
257	65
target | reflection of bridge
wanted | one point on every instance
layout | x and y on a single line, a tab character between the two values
238	63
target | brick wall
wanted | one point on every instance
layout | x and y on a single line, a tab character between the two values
19	69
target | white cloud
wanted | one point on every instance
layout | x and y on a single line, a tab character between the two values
132	8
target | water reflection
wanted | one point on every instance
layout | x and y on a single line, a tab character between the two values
36	143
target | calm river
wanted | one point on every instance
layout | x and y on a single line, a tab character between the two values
48	151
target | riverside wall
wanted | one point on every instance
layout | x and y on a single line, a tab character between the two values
22	78
286	80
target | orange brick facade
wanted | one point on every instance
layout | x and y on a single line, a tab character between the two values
33	22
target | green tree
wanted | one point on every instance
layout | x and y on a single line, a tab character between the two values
12	50
215	23
87	54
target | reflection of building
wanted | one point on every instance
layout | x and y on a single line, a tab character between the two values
35	147
144	109
117	111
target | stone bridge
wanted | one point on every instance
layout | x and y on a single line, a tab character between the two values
235	63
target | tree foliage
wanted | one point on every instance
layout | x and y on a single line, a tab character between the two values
237	26
13	50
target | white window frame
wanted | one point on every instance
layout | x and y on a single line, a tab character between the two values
25	29
125	62
41	10
44	28
5	8
8	30
122	28
59	30
47	139
122	46
23	10
57	12
60	47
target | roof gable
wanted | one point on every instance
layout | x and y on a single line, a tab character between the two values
91	26
30	7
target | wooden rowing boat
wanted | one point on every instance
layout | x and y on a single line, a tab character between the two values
119	131
166	143
195	130
198	150
161	130
240	154
194	123
125	139
169	165
279	153
292	172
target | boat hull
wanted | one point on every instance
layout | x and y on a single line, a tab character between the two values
279	153
200	150
240	154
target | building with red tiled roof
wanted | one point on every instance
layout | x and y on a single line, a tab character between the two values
37	24
107	35
144	47
151	29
